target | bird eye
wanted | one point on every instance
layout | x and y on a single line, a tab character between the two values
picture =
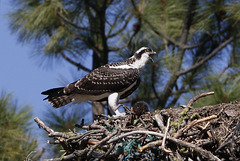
147	50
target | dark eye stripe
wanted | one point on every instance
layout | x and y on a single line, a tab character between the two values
141	52
138	55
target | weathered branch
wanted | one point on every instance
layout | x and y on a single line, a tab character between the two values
190	103
42	125
134	136
158	118
206	154
101	142
193	123
165	136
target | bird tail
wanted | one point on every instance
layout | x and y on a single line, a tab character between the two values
57	97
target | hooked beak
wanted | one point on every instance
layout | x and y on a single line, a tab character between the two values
152	54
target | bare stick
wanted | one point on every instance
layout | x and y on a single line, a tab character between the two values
190	103
193	123
42	125
159	121
150	145
165	136
58	134
101	142
135	132
204	153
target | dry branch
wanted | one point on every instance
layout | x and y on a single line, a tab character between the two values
190	103
151	135
193	123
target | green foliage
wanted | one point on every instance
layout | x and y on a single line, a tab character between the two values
225	90
69	29
168	17
184	33
15	142
33	22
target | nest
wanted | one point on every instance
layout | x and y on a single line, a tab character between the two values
207	133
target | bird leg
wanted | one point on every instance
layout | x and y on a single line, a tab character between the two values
113	104
127	109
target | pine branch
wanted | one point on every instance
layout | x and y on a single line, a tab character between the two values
173	79
161	34
78	65
65	19
193	45
208	57
121	29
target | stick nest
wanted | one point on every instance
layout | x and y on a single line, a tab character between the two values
206	133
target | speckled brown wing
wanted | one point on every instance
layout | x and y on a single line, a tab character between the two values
104	80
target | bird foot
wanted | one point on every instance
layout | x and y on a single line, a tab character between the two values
119	114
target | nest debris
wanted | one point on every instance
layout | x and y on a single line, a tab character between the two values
207	133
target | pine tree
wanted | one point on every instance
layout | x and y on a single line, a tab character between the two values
197	42
72	30
16	142
194	39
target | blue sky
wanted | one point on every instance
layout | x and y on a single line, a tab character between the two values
20	73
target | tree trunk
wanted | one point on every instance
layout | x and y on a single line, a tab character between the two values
97	107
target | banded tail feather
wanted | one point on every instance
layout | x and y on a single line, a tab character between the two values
57	97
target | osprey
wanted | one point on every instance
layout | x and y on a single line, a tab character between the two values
109	82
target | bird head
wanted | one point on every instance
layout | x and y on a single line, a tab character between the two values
144	53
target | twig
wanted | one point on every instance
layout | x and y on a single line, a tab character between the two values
58	134
101	142
42	125
93	141
204	153
190	103
150	145
193	123
135	132
165	136
227	140
53	142
28	156
50	131
80	137
111	148
159	120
